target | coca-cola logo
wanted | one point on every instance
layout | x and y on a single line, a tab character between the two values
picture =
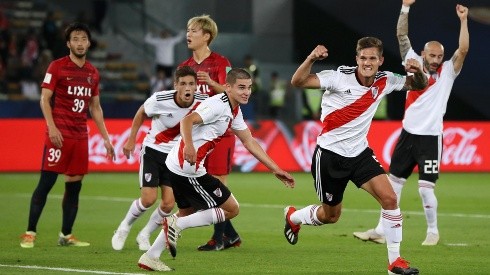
304	144
97	151
458	146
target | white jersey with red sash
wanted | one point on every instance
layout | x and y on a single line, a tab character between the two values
348	108
218	116
425	109
166	116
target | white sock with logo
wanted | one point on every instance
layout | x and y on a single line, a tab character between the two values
202	218
306	216
392	227
429	202
397	185
158	246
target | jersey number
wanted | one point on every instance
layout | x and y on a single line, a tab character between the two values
54	155
78	105
431	167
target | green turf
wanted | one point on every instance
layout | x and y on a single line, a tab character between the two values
464	221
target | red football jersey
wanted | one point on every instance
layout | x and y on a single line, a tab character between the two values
72	87
216	65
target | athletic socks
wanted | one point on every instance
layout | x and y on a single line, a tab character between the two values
392	227
429	202
230	231
39	197
70	205
306	216
397	185
155	221
158	246
202	218
135	211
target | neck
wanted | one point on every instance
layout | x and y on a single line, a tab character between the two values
80	61
200	54
364	81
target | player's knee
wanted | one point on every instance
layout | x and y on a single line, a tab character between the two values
148	201
167	205
389	201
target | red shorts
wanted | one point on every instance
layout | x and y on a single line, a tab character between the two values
71	159
219	161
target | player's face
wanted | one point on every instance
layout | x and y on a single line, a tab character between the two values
196	38
368	62
79	43
432	56
185	86
240	92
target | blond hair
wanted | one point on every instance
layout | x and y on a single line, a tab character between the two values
206	23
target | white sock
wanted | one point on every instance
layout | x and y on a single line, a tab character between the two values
155	221
306	216
202	218
135	211
429	202
158	246
392	226
397	185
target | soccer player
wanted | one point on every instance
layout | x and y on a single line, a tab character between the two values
420	142
166	109
195	189
211	71
342	152
69	89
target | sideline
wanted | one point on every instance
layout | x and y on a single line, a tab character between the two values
67	269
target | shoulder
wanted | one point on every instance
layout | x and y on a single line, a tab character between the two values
201	97
346	69
219	57
164	95
90	66
187	62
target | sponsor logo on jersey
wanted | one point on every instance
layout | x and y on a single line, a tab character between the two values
147	177
218	193
348	92
170	115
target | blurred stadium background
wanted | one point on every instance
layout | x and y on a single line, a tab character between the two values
276	34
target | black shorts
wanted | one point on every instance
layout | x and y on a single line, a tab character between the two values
201	193
153	170
331	173
414	150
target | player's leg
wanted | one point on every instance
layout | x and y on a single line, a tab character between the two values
163	210
428	157
148	177
218	163
330	183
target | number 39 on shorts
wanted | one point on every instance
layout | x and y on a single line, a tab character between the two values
54	155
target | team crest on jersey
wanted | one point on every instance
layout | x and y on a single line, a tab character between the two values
218	193
147	177
328	196
374	92
89	80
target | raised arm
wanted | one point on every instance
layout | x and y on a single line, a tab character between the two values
417	81
402	28
464	39
303	78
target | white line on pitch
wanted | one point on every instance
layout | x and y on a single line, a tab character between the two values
67	269
120	199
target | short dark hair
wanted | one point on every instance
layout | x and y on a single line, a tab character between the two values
237	73
369	42
184	71
77	26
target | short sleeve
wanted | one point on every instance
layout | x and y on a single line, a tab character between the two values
238	123
327	78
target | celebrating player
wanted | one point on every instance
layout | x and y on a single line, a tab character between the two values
420	142
342	152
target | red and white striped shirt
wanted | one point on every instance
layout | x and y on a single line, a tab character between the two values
348	108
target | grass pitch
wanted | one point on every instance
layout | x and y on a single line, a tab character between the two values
464	222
